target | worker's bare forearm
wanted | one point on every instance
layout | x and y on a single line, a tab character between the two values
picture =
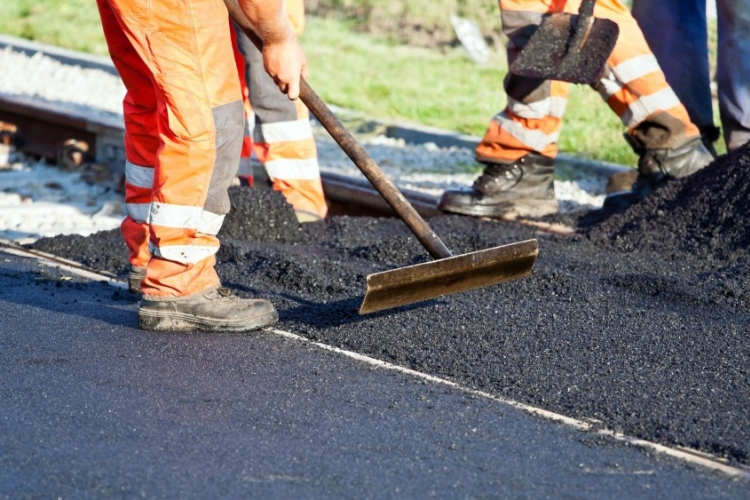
268	20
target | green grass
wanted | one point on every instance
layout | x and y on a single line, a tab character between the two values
375	76
73	24
400	82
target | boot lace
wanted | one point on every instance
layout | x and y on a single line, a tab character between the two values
494	172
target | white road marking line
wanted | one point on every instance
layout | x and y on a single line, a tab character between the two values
686	454
692	456
65	265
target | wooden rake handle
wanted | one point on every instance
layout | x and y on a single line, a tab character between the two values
586	9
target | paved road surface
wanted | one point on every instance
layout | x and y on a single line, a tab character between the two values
92	407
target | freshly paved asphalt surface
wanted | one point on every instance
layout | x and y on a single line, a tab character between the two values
92	407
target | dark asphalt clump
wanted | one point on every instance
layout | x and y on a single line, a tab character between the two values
704	212
641	321
103	251
551	54
262	219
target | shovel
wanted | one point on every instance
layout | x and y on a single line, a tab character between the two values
445	275
568	47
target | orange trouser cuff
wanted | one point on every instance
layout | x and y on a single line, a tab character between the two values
166	278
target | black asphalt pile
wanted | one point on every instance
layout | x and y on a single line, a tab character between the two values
103	251
262	219
628	323
704	213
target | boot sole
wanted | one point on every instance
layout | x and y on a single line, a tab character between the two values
519	208
156	321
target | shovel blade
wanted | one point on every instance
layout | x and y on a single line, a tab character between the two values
550	55
441	277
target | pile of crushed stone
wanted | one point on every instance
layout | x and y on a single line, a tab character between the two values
641	321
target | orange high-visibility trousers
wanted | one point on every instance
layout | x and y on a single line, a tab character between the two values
278	130
183	133
633	86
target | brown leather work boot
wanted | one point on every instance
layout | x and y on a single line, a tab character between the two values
657	166
523	188
213	310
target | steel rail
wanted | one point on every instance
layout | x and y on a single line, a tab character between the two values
51	131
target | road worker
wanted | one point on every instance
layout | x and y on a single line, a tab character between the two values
677	32
278	131
520	144
184	118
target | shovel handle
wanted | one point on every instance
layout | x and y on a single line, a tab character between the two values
586	9
373	173
583	25
358	155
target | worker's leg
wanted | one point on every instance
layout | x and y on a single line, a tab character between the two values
520	143
635	87
187	51
531	120
659	129
141	142
733	70
282	136
677	34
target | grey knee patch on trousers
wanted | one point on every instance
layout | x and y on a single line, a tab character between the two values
229	121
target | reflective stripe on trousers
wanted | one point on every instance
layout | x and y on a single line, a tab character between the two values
633	86
183	122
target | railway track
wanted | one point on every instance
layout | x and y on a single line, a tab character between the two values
71	138
74	135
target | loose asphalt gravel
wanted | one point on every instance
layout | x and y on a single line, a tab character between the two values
641	321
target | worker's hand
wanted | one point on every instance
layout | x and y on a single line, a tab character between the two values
285	62
282	56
